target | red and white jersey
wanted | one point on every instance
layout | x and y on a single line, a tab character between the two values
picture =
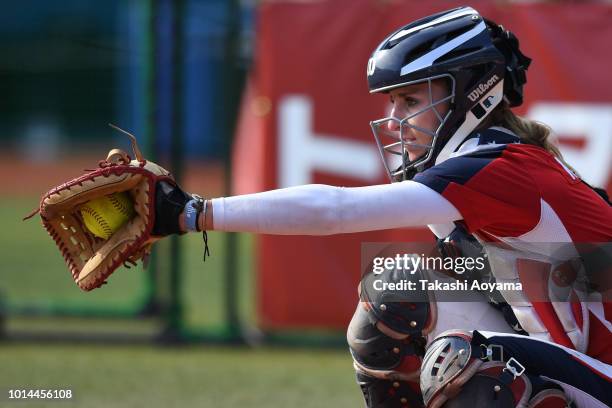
524	200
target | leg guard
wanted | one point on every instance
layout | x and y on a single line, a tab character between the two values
380	355
387	393
409	312
387	368
469	370
390	329
485	390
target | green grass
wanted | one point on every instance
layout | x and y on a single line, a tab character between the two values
34	274
130	376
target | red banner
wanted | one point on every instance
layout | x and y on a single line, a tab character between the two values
305	119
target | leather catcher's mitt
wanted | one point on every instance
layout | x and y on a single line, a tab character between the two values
92	260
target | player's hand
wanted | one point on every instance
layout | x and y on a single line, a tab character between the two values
170	201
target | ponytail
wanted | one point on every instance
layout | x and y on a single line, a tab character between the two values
529	131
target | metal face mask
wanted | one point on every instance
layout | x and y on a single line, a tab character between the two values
484	63
393	144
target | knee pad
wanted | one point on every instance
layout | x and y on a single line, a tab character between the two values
459	370
380	355
485	389
387	368
410	312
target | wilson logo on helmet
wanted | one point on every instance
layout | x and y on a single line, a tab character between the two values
481	89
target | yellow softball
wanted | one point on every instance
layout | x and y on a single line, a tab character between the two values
105	215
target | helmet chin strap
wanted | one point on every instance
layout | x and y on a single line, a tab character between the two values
494	97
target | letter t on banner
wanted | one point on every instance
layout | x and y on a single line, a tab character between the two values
301	151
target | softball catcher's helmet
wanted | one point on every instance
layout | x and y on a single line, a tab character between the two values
480	61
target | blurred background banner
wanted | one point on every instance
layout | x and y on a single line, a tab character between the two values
305	119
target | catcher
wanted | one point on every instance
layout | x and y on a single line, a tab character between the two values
461	162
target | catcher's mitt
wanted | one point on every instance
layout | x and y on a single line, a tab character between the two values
154	193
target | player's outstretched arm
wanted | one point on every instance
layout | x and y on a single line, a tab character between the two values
325	210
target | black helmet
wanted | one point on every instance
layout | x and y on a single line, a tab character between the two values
481	63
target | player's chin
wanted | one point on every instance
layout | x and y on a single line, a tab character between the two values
415	153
